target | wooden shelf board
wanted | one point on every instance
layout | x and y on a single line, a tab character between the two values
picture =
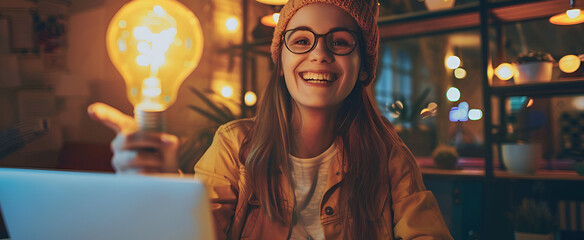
466	16
567	86
563	175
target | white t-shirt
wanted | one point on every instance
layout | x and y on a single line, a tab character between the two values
310	176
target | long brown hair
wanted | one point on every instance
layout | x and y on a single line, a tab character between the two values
367	139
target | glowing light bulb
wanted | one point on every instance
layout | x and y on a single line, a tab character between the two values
573	13
154	45
459	73
231	24
453	62
250	98
504	71
569	63
226	91
270	20
453	94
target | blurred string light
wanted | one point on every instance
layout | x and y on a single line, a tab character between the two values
452	62
569	63
529	103
453	94
227	91
504	71
429	111
460	113
231	24
475	114
578	103
396	109
459	73
250	98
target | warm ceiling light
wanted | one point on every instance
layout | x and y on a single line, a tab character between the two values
570	17
273	2
573	13
270	20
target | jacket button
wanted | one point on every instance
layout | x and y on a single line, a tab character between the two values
329	210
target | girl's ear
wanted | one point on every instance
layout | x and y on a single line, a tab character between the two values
363	75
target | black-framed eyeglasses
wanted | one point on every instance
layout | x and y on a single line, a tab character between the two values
339	41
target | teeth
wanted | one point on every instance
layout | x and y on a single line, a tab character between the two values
316	76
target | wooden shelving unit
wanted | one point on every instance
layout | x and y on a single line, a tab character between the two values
483	15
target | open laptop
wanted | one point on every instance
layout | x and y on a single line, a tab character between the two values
39	204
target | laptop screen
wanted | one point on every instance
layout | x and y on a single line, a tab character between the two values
39	204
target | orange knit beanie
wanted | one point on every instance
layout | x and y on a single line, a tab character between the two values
365	13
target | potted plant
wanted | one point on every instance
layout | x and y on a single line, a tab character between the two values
519	152
533	67
533	221
445	157
408	116
191	150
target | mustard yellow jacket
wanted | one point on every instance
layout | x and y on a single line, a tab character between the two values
409	211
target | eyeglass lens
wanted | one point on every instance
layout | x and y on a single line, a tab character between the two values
302	41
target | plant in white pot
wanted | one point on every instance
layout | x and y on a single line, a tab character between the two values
533	67
519	152
533	221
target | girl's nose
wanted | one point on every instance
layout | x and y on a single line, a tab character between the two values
320	53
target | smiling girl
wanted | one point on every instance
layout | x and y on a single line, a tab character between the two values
318	161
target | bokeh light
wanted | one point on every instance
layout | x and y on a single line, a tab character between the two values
475	114
231	24
453	94
227	91
453	62
504	71
569	63
250	98
459	73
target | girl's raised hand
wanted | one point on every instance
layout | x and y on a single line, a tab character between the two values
136	151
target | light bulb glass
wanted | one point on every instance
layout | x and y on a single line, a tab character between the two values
276	16
573	13
270	20
154	45
453	62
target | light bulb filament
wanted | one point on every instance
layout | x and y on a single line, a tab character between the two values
151	87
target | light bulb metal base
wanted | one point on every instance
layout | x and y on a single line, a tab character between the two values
150	121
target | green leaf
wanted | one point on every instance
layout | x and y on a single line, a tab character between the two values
220	113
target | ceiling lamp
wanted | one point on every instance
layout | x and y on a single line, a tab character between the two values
273	2
270	20
570	17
